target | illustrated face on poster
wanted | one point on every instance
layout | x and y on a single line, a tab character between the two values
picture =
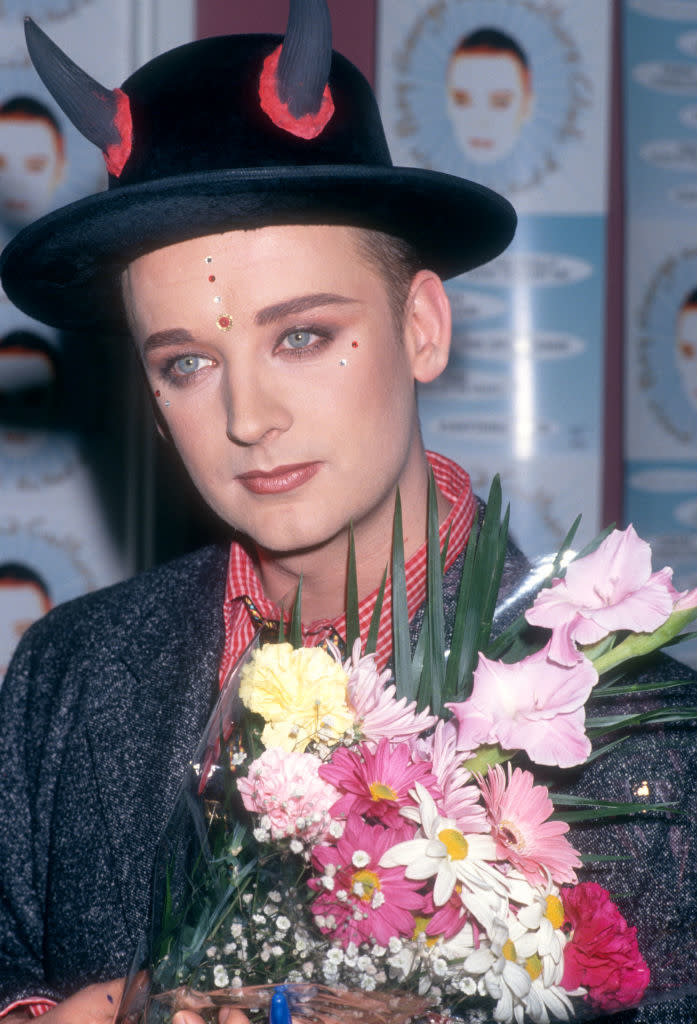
24	598
32	160
34	450
489	94
686	346
28	379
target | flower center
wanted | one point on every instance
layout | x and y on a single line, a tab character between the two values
509	951
555	911
381	791
364	884
454	842
533	965
420	926
511	836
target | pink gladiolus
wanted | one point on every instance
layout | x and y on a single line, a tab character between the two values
687	599
531	705
611	589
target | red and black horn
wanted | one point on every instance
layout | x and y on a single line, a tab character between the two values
293	87
102	115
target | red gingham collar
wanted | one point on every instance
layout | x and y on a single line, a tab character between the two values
242	579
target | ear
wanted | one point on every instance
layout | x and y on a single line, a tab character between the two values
427	326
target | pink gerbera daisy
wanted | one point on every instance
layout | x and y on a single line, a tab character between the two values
449	919
461	799
373	703
358	900
376	784
517	811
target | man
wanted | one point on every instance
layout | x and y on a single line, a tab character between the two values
282	282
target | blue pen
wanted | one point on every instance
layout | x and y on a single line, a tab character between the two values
280	1011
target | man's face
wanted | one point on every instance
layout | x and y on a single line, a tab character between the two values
30	169
488	102
301	416
686	351
20	604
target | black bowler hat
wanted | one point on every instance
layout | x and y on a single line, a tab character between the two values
233	132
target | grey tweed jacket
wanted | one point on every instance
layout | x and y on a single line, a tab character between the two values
102	709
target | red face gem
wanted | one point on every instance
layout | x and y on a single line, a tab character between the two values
354	344
211	278
157	394
224	323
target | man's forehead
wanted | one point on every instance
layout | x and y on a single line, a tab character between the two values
264	238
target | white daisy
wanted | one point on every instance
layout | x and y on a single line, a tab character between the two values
502	978
444	851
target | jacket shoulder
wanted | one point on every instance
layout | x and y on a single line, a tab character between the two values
167	593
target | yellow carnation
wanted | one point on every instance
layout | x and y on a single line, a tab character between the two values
301	695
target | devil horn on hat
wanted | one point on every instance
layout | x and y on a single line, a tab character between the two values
102	115
293	87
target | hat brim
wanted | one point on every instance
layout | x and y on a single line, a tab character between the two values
64	269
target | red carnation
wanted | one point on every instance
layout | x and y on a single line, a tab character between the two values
602	955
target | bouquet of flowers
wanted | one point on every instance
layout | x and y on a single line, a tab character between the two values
368	840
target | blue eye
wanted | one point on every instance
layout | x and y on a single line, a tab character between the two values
190	364
299	339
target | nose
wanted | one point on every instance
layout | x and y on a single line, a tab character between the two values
256	410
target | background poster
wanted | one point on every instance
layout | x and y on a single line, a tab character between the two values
660	85
514	94
65	480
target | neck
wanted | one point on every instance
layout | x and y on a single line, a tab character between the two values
324	569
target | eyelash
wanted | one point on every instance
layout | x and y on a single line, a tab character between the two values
168	374
322	336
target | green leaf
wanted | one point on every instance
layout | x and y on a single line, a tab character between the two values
617	690
353	627
485	757
605	749
373	629
430	687
282	626
296	633
572	800
592	544
618	811
481	577
604	724
400	616
456	668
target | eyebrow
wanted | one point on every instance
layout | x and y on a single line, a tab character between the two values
163	339
291	307
265	316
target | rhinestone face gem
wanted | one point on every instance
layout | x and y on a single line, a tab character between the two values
208	259
342	362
